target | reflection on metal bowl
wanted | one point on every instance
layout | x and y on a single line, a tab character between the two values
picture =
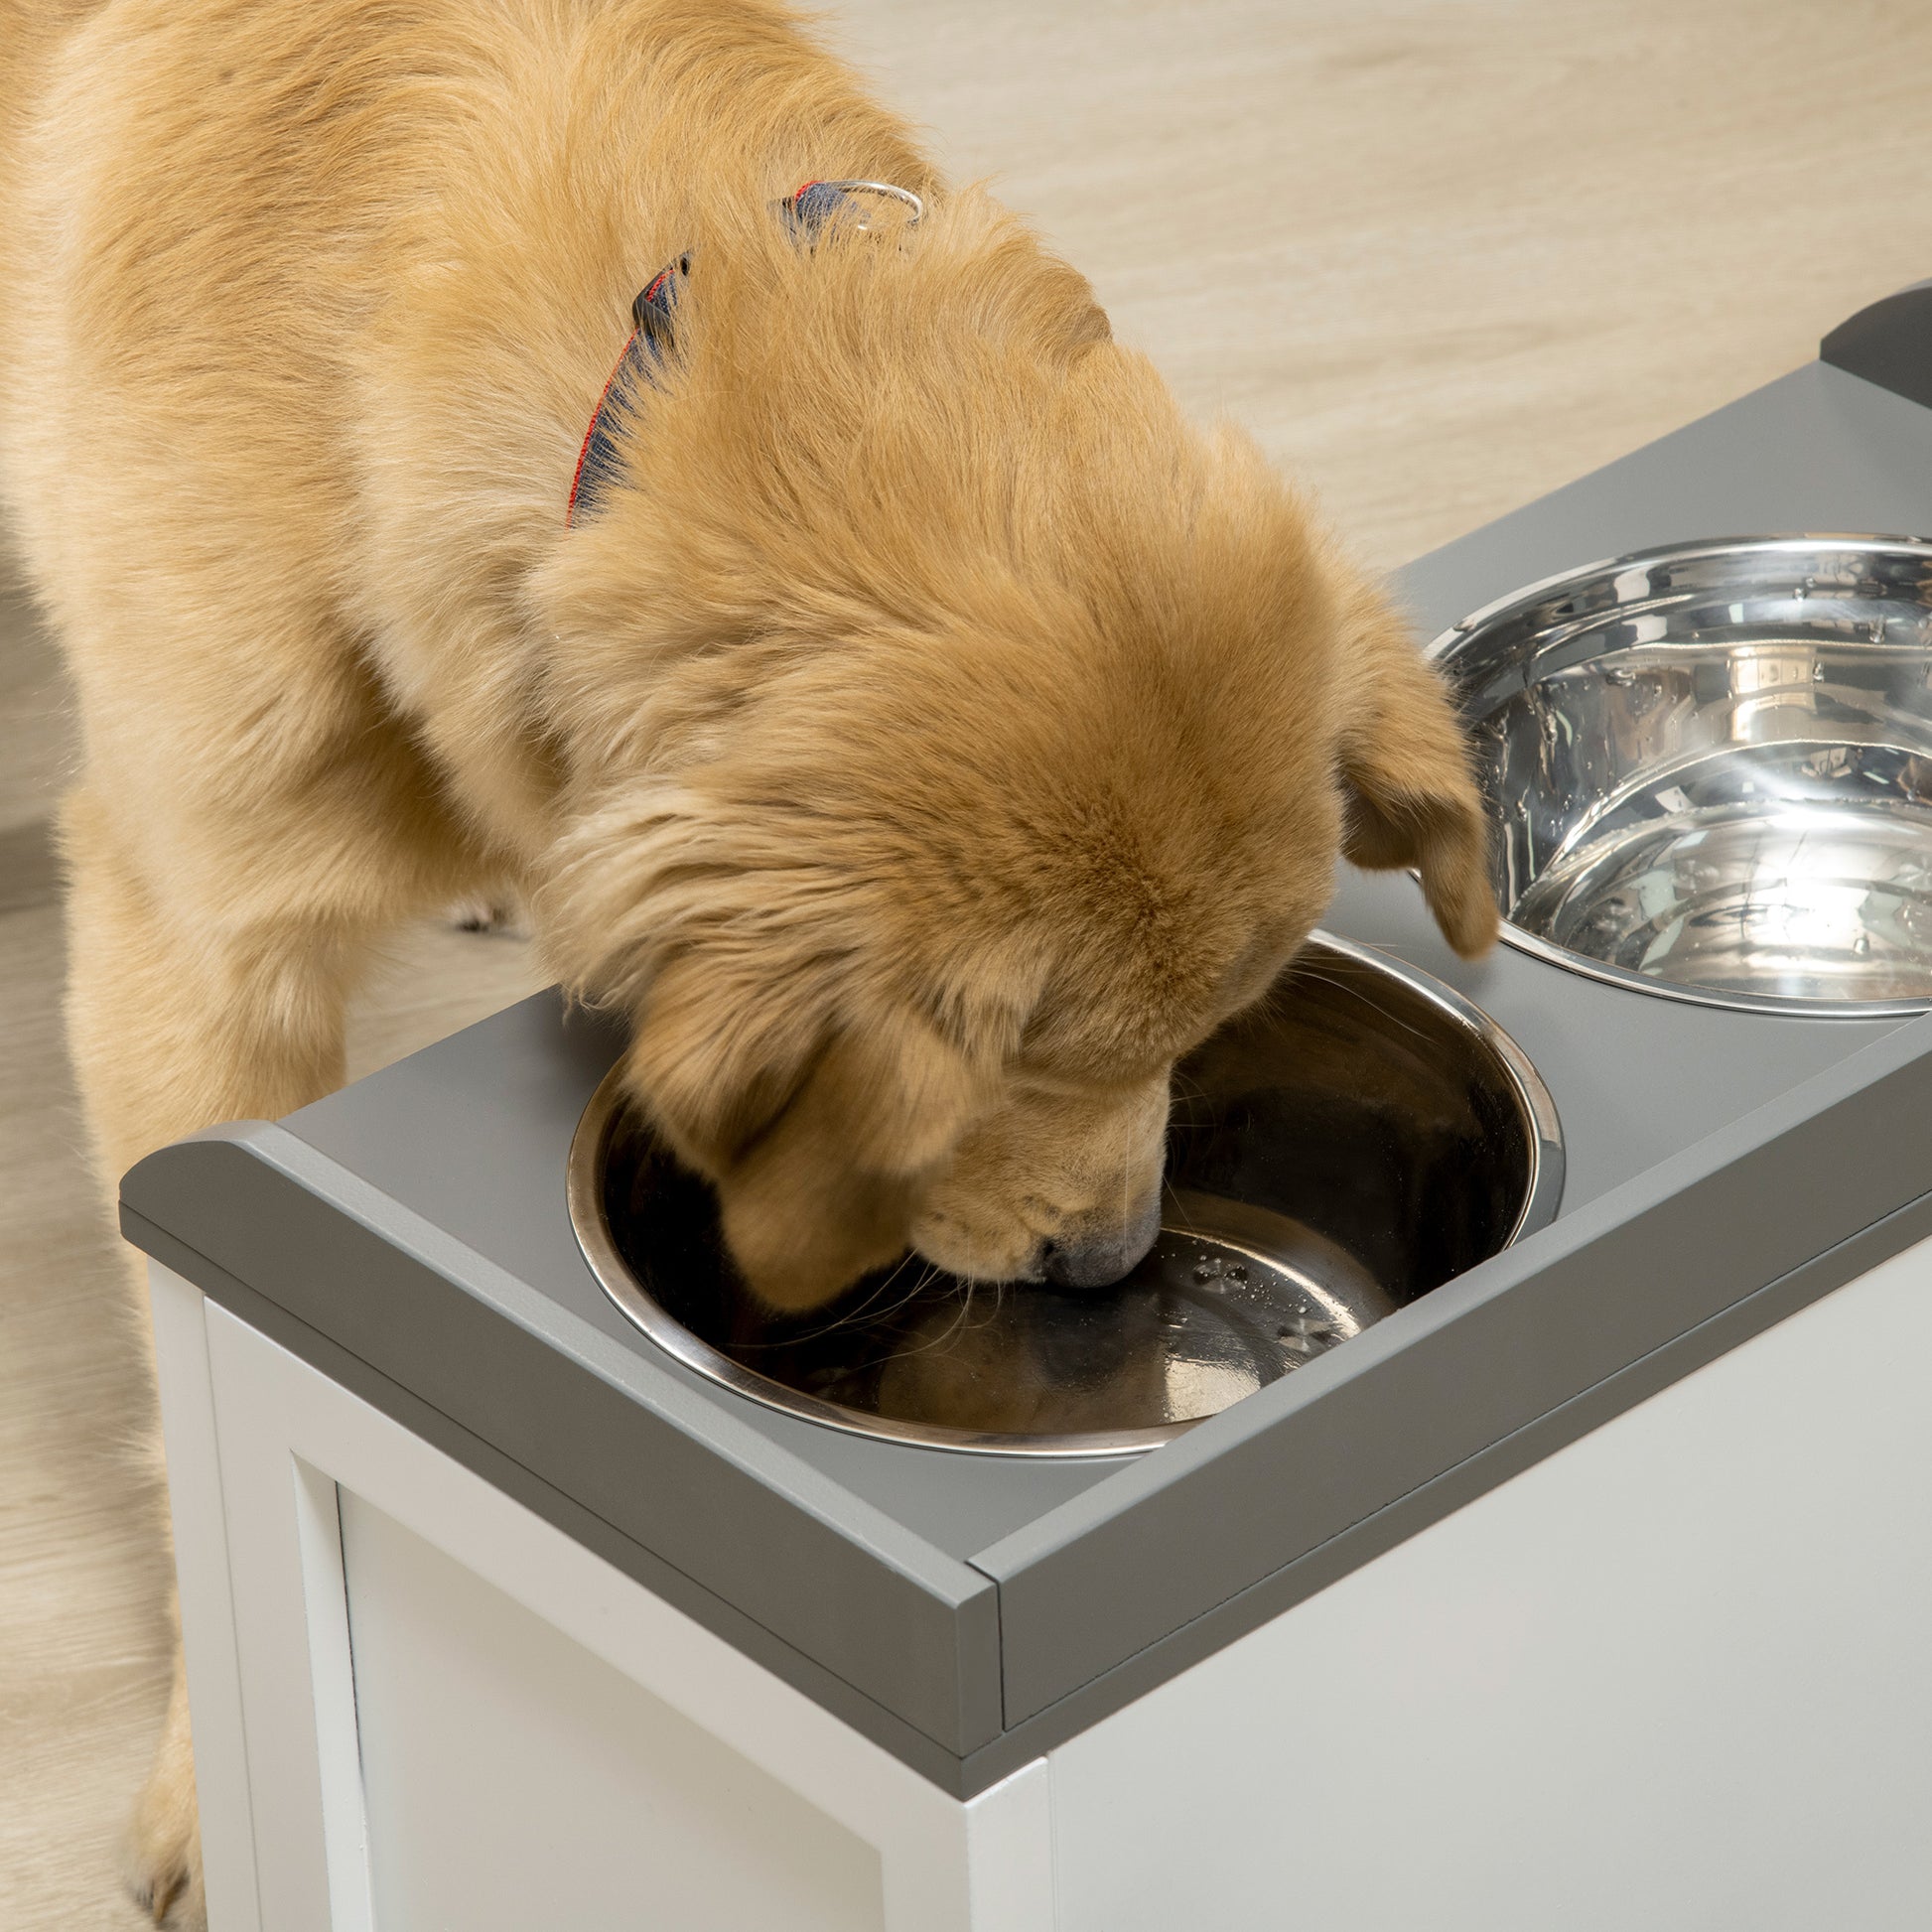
1349	1144
1712	770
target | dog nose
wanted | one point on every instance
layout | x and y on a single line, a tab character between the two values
1100	1260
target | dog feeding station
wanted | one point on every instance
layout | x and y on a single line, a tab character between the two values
1501	1502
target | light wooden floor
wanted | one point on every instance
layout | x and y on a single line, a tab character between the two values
1438	254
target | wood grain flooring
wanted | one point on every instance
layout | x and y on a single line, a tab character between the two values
1439	255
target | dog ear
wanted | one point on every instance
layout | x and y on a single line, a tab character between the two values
826	1192
815	1142
813	1104
717	1056
744	1081
1409	796
754	1104
657	907
721	1055
814	1116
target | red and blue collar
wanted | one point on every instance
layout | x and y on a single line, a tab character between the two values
804	212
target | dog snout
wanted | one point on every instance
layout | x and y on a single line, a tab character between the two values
1100	1258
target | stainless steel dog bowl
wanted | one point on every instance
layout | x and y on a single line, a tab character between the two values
1348	1145
1712	770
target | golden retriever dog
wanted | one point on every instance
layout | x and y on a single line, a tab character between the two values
917	728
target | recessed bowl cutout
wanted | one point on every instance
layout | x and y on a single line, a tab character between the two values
1711	769
1348	1145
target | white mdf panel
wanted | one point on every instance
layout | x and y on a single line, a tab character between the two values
1676	1678
539	1739
1010	1854
514	1780
207	1624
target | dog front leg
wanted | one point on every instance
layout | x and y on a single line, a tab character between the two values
176	1022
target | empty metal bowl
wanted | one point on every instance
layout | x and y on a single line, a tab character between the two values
1346	1146
1712	770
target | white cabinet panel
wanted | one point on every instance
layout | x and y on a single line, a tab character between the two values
516	1781
1677	1677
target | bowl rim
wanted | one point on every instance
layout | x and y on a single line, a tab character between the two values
1441	652
591	1225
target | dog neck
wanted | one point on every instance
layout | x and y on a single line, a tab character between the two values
807	211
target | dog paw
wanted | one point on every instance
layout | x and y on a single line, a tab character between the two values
163	1843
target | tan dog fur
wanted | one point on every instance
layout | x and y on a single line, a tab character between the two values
932	738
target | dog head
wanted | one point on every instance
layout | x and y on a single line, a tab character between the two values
951	764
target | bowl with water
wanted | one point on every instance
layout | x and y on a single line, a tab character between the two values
1711	769
1357	1137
